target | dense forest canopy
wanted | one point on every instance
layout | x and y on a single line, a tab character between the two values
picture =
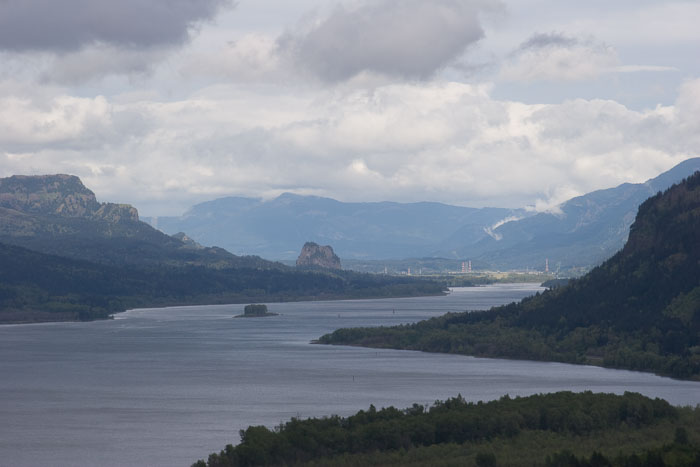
549	429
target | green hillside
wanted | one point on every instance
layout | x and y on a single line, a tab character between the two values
639	310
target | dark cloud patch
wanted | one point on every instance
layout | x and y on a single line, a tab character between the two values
68	25
540	41
405	38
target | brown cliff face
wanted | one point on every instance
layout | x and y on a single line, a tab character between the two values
59	195
314	255
112	212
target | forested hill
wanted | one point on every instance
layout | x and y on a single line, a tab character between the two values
36	287
553	430
638	310
58	215
582	232
65	256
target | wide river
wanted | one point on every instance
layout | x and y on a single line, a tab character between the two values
165	387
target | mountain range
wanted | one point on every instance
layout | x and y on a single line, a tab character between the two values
581	232
275	228
577	234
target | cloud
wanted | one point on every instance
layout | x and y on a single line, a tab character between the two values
639	68
490	231
440	141
251	58
650	24
543	41
557	57
98	61
402	38
69	25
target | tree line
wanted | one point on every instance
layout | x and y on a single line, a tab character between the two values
509	431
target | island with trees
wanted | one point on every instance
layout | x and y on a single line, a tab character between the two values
255	310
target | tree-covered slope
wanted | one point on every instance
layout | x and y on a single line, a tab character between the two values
65	256
58	215
638	310
582	232
38	287
560	429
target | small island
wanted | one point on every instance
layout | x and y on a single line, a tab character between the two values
255	311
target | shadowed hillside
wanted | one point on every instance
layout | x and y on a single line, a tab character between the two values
64	256
639	310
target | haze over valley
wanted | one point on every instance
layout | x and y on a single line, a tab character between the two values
579	233
456	232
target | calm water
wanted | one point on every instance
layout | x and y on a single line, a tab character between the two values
165	387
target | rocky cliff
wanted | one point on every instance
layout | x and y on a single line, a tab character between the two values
58	215
59	195
315	255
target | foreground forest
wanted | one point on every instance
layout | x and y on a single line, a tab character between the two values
558	429
639	310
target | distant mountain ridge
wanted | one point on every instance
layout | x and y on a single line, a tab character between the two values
275	228
639	310
581	233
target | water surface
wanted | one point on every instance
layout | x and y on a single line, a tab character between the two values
164	387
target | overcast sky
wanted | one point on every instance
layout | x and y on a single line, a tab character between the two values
166	103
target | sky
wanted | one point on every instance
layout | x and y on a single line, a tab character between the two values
511	103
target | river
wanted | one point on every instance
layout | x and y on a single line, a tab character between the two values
165	387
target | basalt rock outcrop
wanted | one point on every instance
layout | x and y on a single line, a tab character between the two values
314	255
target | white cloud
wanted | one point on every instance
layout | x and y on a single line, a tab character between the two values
491	231
560	58
557	57
447	142
640	68
364	43
98	61
657	23
251	58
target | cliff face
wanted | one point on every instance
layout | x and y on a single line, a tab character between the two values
59	195
112	212
315	255
187	241
62	195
